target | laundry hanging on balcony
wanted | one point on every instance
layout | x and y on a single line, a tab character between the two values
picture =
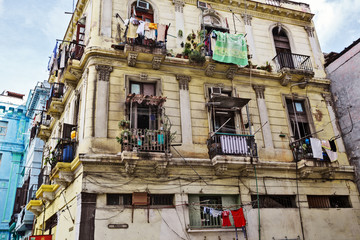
146	99
230	48
146	30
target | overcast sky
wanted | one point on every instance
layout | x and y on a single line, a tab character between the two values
29	30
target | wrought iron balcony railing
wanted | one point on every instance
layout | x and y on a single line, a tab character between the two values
43	177
56	91
293	61
232	144
145	140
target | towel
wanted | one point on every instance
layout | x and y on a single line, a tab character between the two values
316	148
230	48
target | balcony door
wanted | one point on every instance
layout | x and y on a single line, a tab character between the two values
282	47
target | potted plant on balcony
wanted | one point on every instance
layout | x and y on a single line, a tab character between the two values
124	124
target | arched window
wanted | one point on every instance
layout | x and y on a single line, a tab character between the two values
142	10
282	47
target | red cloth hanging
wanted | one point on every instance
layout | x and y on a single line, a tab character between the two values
226	220
238	216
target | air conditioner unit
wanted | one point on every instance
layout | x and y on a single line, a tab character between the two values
143	5
202	5
140	199
215	91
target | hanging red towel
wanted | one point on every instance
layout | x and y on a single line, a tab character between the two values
226	220
239	219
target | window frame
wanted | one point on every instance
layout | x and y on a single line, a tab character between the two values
239	124
196	209
330	199
5	127
151	6
307	112
142	80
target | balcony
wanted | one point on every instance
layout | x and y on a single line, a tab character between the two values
144	140
227	148
55	105
232	144
293	62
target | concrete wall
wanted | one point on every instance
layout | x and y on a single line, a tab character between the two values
345	76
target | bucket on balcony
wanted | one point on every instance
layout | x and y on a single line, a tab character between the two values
160	138
68	153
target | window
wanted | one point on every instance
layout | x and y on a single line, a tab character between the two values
51	222
153	199
298	117
3	128
282	47
201	219
328	201
142	10
143	115
274	201
118	199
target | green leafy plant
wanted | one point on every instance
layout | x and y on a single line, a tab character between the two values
124	124
124	134
196	56
180	33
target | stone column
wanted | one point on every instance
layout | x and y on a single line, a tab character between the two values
102	100
179	20
186	129
329	104
249	34
106	16
264	118
314	47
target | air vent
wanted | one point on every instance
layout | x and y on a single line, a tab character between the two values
202	5
142	4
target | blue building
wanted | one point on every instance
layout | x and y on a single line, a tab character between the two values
13	128
22	224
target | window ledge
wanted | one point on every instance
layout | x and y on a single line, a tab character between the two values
198	230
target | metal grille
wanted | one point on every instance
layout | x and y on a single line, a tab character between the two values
207	220
162	199
274	201
328	201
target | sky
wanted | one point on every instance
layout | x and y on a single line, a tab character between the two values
29	30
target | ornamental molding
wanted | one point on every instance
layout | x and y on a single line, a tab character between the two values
247	18
183	81
179	5
230	73
310	31
103	72
286	78
156	62
132	58
259	90
327	98
143	77
210	69
264	11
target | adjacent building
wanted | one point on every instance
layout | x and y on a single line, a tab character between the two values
200	108
13	129
344	74
22	226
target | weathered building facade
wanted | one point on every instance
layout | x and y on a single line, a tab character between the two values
32	162
142	141
344	75
13	126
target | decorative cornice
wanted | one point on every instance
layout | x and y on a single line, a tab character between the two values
143	77
247	18
103	72
183	81
259	90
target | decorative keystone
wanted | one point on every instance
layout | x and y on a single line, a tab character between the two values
220	169
130	168
284	81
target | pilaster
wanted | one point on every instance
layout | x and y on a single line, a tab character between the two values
314	46
249	34
264	118
179	21
102	100
186	128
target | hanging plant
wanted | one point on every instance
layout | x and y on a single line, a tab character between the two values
180	33
182	44
189	37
